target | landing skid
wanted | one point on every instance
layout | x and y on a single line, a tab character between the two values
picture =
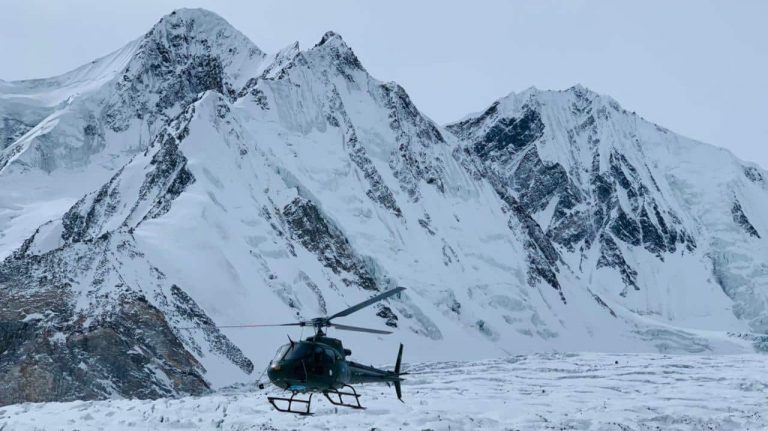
291	401
341	394
334	396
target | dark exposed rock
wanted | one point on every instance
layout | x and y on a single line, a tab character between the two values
378	190
309	226
602	303
414	135
753	174
84	220
53	348
611	257
449	254
168	178
508	136
653	239
186	307
542	255
342	55
463	129
164	182
424	223
626	228
256	93
741	219
455	306
388	315
11	130
644	223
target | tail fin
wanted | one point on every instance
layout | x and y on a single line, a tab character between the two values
397	373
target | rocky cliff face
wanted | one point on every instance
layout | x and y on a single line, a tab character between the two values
616	193
189	180
593	198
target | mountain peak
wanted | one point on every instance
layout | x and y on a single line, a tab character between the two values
333	44
331	37
581	91
334	41
578	88
192	15
202	45
190	26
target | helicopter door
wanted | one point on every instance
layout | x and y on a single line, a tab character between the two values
322	361
318	361
331	356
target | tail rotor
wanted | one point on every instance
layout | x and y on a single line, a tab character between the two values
398	391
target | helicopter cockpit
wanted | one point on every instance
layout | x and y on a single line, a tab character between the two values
292	352
300	356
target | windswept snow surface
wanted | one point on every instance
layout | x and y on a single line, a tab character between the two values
537	392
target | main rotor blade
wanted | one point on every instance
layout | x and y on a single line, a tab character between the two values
364	304
262	326
253	325
359	329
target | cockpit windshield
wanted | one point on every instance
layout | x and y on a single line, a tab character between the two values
293	351
281	352
299	351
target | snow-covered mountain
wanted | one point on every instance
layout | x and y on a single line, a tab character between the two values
660	224
190	180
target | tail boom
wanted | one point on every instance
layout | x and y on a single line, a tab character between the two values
360	373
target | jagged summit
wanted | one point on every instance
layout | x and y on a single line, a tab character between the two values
515	101
190	15
184	26
332	44
331	36
577	96
133	90
180	32
192	35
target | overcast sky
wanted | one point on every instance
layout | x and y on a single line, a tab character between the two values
696	67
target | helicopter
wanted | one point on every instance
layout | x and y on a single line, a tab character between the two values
319	364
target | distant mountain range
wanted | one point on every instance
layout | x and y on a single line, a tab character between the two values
190	180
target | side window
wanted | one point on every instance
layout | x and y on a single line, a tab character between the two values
318	361
330	356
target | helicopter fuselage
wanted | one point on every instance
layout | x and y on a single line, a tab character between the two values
319	364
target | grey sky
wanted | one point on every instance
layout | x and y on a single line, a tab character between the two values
696	67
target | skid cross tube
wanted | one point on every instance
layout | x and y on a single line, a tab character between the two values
291	401
341	394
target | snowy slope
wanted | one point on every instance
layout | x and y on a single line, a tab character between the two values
664	226
80	127
603	392
192	178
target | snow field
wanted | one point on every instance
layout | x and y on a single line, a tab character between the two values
586	391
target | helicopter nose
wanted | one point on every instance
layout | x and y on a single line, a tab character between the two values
275	371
